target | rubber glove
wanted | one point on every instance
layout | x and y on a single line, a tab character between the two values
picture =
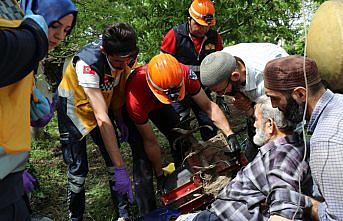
41	110
26	5
223	105
29	182
124	131
233	143
122	182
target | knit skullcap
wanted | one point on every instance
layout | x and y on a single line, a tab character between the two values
287	73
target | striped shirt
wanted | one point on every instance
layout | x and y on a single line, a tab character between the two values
326	154
271	180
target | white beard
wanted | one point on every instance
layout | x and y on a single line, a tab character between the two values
260	137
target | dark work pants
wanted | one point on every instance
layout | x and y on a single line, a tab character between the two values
183	109
12	204
164	119
75	156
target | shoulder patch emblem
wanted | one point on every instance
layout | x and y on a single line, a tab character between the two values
192	75
88	70
210	47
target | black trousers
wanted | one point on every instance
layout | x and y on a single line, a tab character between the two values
12	204
165	119
184	107
75	156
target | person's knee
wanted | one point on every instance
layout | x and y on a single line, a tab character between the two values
76	183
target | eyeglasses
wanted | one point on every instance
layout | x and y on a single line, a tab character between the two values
208	18
172	93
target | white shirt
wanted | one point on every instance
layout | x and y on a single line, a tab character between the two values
89	78
255	57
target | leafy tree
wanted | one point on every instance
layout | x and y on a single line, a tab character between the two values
238	21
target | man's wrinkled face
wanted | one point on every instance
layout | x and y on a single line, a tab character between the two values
260	137
285	103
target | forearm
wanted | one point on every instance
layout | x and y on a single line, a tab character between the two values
111	144
219	119
284	197
153	151
22	49
310	213
278	218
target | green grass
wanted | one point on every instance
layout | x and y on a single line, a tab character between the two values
50	170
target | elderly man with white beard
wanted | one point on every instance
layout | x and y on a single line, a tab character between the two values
268	186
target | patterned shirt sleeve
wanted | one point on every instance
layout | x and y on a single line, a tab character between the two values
283	176
86	76
271	177
327	153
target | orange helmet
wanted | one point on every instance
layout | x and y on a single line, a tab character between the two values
165	78
202	11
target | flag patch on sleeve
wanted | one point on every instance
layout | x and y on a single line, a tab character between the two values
88	70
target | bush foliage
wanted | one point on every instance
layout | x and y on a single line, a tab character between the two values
239	21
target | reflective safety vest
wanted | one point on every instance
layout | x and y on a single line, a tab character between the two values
10	14
15	115
185	49
14	98
79	109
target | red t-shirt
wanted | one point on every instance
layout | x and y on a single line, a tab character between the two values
169	43
140	100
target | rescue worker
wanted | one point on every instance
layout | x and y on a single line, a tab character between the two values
190	43
237	71
92	83
61	17
24	41
150	90
15	96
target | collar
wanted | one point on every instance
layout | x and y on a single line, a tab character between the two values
287	139
250	78
319	108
